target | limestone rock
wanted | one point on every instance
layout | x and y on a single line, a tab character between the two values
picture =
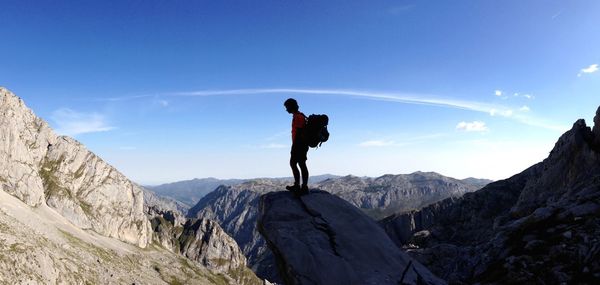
322	239
39	167
205	241
23	145
539	226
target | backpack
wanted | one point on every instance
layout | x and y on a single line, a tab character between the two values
315	130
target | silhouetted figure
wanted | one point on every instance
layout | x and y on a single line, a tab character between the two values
299	148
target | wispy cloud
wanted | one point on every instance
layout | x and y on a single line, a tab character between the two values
72	123
406	98
124	98
163	103
590	69
557	14
127	148
274	146
525	108
498	93
401	141
397	10
475	126
376	143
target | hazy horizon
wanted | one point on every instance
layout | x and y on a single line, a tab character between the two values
170	91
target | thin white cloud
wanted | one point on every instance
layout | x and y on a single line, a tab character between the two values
557	14
524	109
72	123
376	143
163	103
405	98
498	92
475	126
275	146
127	148
123	98
590	69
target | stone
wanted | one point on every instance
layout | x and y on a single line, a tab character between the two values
322	239
39	167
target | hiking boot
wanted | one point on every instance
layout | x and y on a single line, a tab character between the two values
303	190
294	188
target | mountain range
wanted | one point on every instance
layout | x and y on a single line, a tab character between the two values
235	207
68	217
189	192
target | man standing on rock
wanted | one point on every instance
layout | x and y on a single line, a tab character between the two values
299	148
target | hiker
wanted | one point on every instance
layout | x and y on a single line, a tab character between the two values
299	148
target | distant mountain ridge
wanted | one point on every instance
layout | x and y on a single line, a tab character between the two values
236	207
189	192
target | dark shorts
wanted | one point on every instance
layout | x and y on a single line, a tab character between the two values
299	151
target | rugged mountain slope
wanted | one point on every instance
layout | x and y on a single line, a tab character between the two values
236	207
39	246
539	226
322	239
39	167
68	204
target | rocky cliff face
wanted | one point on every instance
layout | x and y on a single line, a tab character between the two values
69	190
539	226
205	242
236	207
24	140
388	194
236	210
38	167
39	246
322	239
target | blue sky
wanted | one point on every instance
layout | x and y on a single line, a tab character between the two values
172	90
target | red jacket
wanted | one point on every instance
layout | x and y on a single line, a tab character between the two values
298	122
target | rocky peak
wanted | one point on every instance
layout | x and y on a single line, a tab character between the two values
539	226
322	239
573	159
596	129
37	166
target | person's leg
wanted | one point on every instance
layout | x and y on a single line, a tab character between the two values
304	170
294	166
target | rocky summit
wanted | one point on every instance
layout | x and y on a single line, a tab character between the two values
541	226
67	217
322	239
39	167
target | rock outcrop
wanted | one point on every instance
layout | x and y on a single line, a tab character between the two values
539	226
39	246
38	167
205	242
322	239
24	140
236	207
236	210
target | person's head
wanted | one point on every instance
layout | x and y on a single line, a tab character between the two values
291	105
